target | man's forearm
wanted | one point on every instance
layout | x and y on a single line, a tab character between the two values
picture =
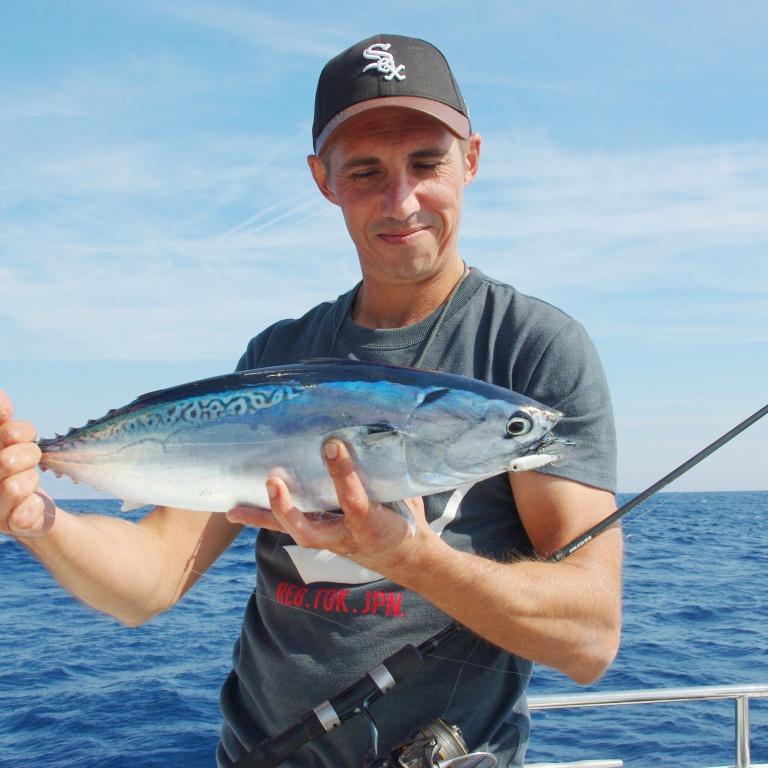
105	562
129	571
564	615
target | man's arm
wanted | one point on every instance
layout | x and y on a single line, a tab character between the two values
566	615
131	571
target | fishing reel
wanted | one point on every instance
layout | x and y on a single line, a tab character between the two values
438	745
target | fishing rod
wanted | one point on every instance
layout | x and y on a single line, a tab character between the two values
356	700
587	536
438	744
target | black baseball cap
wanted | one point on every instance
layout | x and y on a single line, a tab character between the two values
388	71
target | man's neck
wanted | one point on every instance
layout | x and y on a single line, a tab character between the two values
399	305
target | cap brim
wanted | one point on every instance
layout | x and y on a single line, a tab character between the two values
453	120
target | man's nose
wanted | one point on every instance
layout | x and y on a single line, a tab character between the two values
400	197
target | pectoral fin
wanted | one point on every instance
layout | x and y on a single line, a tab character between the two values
130	504
368	434
404	511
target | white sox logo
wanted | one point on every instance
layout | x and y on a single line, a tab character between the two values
383	61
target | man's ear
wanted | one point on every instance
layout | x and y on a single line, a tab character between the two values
472	158
320	175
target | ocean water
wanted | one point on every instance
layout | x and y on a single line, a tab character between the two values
77	689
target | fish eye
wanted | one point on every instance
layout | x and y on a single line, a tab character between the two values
519	423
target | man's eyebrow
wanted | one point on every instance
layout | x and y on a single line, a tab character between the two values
418	154
429	152
356	162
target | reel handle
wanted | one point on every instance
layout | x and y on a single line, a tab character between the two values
272	752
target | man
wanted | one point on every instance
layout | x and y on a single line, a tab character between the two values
394	149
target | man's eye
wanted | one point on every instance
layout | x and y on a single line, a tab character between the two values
363	174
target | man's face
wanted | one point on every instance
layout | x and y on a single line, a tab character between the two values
398	177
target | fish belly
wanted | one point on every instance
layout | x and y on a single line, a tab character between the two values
219	466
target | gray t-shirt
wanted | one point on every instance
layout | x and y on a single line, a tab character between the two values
317	622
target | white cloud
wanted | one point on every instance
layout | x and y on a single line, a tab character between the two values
257	28
667	236
144	250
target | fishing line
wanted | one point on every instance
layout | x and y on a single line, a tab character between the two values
261	596
643	512
208	575
323	617
463	663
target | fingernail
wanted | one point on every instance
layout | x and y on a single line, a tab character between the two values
272	491
331	450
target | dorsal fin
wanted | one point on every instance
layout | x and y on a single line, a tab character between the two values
328	360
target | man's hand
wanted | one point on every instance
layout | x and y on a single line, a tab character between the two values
369	533
25	512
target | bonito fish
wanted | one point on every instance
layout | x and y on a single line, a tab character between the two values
210	445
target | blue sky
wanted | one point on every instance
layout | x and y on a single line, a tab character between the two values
156	210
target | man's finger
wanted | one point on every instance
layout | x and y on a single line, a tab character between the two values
18	458
34	517
6	408
352	496
255	517
13	432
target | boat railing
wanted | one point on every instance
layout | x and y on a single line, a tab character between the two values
741	695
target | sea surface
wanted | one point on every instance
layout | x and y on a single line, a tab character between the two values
78	689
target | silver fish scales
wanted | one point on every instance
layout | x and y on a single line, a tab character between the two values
210	445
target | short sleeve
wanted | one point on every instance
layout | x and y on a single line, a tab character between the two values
566	373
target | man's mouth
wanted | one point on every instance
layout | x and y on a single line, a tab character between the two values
404	237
